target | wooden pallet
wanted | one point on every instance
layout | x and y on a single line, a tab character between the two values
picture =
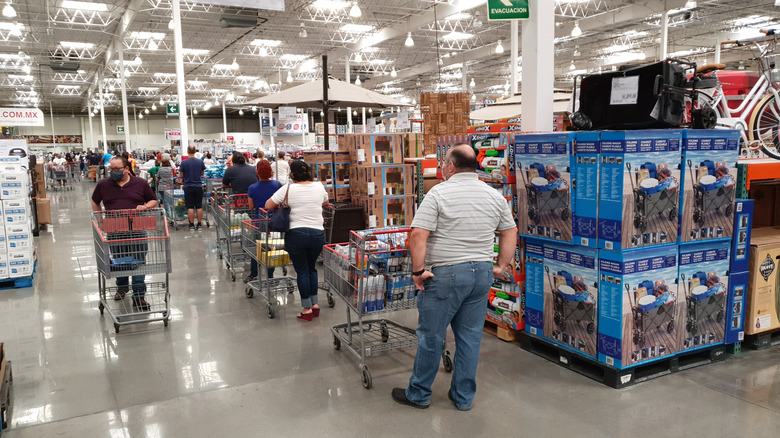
17	283
501	332
763	340
617	378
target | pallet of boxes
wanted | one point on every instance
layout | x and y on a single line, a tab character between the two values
16	240
43	204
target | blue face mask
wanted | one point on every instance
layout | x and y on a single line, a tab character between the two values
117	175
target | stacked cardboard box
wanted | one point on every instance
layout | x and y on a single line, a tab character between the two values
443	114
16	252
321	163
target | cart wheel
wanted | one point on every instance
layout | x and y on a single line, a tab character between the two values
447	360
591	328
691	327
116	327
720	316
249	292
331	301
101	307
636	222
165	322
557	319
219	255
366	377
233	276
383	330
672	214
269	310
636	338
531	213
165	313
565	214
336	343
670	327
642	225
729	209
641	340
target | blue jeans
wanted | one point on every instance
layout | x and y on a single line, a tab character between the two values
139	287
304	246
457	296
253	269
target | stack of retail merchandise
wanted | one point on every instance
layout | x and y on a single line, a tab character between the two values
16	239
631	255
443	114
42	202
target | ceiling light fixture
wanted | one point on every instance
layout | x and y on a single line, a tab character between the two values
355	11
358	57
194	111
571	66
393	73
85	6
141	116
371	111
577	51
171	25
263	51
216	102
576	32
9	11
409	41
254	109
240	112
472	84
154	107
357	80
354	113
322	114
127	73
690	4
289	76
162	101
207	106
473	97
234	65
152	45
499	47
146	111
477	23
302	33
26	68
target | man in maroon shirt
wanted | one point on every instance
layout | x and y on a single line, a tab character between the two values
123	191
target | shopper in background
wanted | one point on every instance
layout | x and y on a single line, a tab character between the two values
192	170
130	161
208	161
452	248
258	194
282	168
123	191
306	237
153	176
94	166
240	175
165	178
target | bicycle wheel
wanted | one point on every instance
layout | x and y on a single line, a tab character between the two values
765	121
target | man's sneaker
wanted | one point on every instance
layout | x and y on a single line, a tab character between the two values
141	304
121	292
198	227
192	226
250	278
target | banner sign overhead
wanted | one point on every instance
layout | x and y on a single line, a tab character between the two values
21	117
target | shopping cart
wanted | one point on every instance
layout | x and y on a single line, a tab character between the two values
652	306
175	207
267	249
327	223
62	177
231	210
572	301
655	192
713	190
205	203
546	191
705	296
133	243
372	274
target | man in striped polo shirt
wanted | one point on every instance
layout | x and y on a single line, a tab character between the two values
452	250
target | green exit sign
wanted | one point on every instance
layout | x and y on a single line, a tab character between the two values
120	129
507	9
172	109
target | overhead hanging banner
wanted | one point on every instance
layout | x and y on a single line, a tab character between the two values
507	9
296	124
172	133
271	5
286	112
21	117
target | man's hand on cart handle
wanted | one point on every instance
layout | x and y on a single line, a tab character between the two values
418	279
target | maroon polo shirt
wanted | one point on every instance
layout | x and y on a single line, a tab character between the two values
128	197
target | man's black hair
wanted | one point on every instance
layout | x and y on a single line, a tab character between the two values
125	162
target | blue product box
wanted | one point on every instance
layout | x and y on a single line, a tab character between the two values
710	184
534	286
544	163
639	188
735	307
743	224
567	291
586	184
641	312
704	283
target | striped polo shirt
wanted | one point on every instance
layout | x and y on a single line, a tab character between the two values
462	215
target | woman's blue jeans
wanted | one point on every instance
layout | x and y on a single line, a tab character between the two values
304	246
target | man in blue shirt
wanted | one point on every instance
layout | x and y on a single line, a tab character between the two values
106	158
191	171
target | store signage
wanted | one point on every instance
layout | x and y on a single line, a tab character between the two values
507	9
286	112
624	90
402	121
171	109
271	5
230	138
21	117
172	134
295	125
120	129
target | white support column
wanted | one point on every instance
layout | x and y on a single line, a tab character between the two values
364	120
717	50
135	122
271	135
192	118
53	137
179	57
102	115
91	140
513	55
122	82
464	81
224	122
347	72
349	119
664	34
538	67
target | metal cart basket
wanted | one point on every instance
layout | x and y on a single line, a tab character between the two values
372	274
133	243
231	210
705	296
572	301
651	311
62	176
175	209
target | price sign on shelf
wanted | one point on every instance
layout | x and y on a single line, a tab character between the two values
625	91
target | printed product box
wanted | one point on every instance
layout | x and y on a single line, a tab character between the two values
341	169
388	212
14	185
345	142
20	263
331	193
763	297
704	283
443	144
586	183
384	181
504	307
735	307
277	257
3	241
710	184
764	196
313	157
561	296
324	173
639	188
4	273
413	145
641	312
495	156
15	211
18	237
343	194
377	149
544	187
743	225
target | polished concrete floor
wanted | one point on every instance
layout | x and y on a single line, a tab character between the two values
223	368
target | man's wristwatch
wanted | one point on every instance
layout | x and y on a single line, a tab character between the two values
418	273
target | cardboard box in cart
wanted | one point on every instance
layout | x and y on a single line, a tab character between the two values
543	164
641	311
763	297
561	298
704	284
639	188
710	184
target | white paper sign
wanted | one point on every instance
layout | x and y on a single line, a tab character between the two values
371	125
402	122
172	133
624	91
286	112
21	117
